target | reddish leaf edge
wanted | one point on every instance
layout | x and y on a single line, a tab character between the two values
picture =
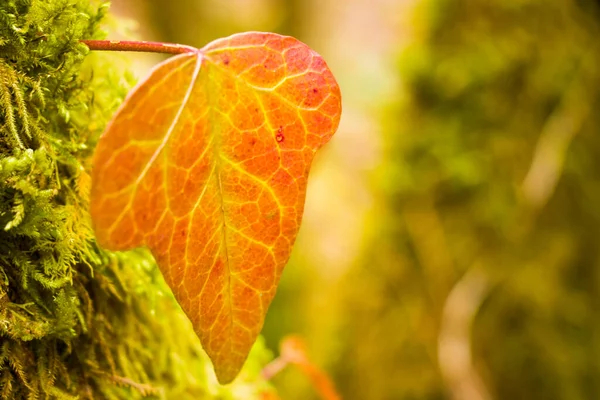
293	351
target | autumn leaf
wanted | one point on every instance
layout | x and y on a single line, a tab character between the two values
206	163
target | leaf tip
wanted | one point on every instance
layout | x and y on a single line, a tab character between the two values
226	374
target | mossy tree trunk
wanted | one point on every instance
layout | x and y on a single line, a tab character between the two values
76	321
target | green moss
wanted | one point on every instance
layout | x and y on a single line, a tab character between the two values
77	321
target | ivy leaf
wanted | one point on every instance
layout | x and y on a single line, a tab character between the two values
206	163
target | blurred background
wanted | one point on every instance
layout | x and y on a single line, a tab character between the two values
450	247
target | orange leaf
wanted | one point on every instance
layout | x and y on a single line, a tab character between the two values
206	163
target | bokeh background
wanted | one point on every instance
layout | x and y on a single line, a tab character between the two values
450	247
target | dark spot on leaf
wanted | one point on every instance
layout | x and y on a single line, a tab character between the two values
280	129
252	141
279	137
315	90
226	60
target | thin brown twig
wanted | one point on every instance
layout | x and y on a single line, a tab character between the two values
140	46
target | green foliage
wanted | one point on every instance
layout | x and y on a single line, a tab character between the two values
76	321
491	172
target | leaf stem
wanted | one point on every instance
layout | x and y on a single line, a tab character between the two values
137	45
